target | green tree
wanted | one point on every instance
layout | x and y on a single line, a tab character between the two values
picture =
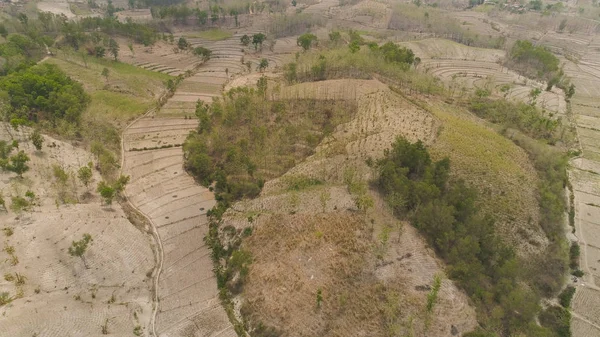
261	84
204	53
182	44
37	139
85	175
131	4
105	73
120	184
106	191
18	164
335	37
354	47
264	63
306	40
110	9
78	248
245	39
202	17
113	47
3	31
258	39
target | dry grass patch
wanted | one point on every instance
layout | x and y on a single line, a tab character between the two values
499	169
322	254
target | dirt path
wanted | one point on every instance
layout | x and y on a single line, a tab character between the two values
186	295
585	177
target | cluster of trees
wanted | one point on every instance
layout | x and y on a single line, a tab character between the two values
80	32
535	62
19	52
43	92
518	115
16	163
446	212
389	61
182	14
256	39
244	139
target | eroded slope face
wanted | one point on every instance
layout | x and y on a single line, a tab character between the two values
60	296
373	273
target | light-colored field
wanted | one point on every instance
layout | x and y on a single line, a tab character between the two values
60	296
585	177
463	68
57	7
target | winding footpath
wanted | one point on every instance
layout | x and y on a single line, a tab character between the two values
185	289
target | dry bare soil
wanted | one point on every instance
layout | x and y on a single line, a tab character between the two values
59	296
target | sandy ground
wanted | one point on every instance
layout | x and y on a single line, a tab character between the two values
56	7
60	297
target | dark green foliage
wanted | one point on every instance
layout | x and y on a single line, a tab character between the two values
113	47
518	115
182	44
204	53
578	273
557	319
44	92
258	39
393	53
245	40
574	253
106	191
446	212
36	139
566	296
18	164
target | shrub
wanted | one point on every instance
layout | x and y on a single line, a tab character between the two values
566	296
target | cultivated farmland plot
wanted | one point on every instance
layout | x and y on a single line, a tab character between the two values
466	68
586	184
160	188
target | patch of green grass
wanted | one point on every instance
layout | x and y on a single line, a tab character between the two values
498	168
79	8
116	106
211	34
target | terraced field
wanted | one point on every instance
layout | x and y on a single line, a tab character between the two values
463	68
585	177
176	206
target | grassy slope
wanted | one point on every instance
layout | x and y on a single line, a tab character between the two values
129	91
499	169
212	34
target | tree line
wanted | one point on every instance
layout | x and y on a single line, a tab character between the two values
446	211
244	139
